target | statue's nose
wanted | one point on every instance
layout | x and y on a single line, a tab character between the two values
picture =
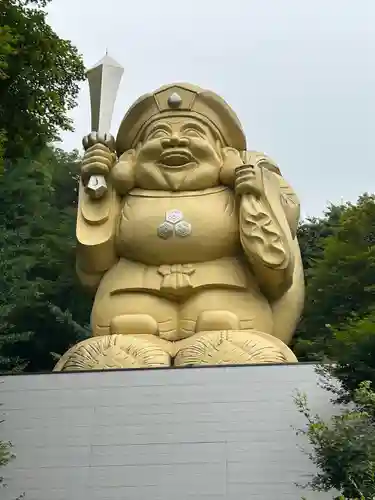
175	142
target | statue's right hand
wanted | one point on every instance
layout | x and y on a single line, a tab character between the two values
94	138
98	160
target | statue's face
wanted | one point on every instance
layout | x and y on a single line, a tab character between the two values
178	154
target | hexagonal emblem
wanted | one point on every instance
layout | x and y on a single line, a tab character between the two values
96	186
165	230
174	216
182	229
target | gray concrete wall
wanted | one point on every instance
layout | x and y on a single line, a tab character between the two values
212	433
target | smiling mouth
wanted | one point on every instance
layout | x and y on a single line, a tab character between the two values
176	158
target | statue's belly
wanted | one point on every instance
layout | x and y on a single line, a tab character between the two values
178	228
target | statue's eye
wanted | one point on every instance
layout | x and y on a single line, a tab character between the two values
191	132
158	134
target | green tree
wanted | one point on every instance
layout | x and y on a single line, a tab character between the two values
339	325
39	75
312	234
5	457
341	284
39	310
353	349
343	449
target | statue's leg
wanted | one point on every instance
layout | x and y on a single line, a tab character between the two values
131	330
211	310
134	313
228	327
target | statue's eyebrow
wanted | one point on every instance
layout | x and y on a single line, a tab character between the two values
159	126
194	126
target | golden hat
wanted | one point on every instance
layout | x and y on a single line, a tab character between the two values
181	99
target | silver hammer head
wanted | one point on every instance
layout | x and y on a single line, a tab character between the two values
104	80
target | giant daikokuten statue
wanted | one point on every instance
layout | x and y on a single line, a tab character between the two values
192	251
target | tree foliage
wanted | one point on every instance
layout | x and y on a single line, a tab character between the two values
39	310
339	326
343	449
340	285
39	82
39	76
353	348
312	234
5	457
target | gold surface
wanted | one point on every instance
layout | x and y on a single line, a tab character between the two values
192	251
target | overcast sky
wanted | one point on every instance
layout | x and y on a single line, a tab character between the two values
300	75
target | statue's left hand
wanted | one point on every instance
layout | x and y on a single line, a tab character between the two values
248	180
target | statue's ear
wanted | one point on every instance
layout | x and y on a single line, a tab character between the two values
122	174
128	156
231	160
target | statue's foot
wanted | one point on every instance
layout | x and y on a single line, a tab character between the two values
117	351
232	347
217	320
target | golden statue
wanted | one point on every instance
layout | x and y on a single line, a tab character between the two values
190	243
